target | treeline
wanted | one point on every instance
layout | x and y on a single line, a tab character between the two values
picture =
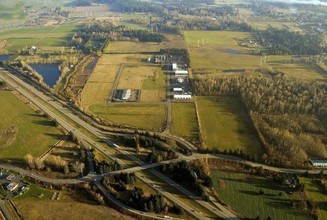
117	186
132	6
193	176
102	30
289	115
285	42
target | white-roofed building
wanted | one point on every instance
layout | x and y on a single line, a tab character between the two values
182	96
181	72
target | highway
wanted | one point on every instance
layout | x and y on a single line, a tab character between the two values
34	95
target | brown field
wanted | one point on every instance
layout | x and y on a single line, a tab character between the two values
133	77
100	83
173	41
149	79
90	9
69	206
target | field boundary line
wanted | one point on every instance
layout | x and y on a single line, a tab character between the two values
198	121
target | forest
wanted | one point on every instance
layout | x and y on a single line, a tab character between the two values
290	115
285	42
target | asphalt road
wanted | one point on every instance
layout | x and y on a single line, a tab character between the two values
33	95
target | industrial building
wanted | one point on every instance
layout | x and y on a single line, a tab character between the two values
178	89
319	163
126	94
174	66
181	72
186	96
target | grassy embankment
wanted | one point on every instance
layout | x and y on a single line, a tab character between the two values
35	134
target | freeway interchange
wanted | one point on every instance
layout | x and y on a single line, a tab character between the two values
70	120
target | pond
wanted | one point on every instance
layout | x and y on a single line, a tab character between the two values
49	72
5	57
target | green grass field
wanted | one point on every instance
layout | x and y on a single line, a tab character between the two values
184	122
49	36
316	195
226	125
220	50
137	115
35	134
240	192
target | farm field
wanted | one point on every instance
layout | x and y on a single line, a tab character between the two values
173	41
316	195
69	206
240	191
297	70
220	50
35	134
98	86
49	36
146	116
184	121
226	126
149	79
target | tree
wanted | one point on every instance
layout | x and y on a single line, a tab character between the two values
30	161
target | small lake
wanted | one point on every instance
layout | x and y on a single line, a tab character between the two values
49	72
5	57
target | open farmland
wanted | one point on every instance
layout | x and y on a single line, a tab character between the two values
240	191
298	70
146	116
35	134
149	79
184	121
226	126
220	50
316	194
100	83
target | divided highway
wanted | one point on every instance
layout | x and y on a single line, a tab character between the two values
34	96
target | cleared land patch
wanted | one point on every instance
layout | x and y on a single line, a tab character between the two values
226	126
220	50
184	121
298	70
35	134
240	191
136	115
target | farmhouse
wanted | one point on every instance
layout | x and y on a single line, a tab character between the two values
319	163
181	72
182	96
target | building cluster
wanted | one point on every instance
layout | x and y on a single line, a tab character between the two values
180	82
126	95
12	184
